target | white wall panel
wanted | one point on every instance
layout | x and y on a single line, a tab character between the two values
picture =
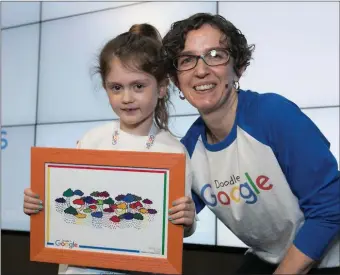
63	135
17	13
52	10
206	229
179	125
180	106
19	69
69	50
297	48
15	175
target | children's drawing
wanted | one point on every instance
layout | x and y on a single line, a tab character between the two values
107	209
99	209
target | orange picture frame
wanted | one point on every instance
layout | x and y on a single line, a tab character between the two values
44	158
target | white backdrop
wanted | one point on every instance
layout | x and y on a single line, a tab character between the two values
50	99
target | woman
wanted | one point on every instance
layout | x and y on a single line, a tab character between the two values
271	177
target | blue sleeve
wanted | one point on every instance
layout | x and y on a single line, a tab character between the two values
199	204
311	171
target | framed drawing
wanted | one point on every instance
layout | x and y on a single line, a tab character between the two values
107	209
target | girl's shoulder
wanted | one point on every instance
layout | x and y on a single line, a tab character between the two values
169	142
96	134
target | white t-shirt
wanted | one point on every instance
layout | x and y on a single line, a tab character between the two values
272	181
100	138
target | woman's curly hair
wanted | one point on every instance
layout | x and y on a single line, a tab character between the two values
237	45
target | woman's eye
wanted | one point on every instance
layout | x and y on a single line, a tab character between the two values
215	55
186	60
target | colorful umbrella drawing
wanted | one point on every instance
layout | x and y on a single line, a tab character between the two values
120	197
137	198
81	216
60	200
78	193
90	209
122	207
128	216
125	211
115	219
79	202
87	210
94	194
68	194
89	200
108	210
143	210
128	199
104	194
136	205
60	204
100	204
113	206
71	210
147	203
109	201
97	214
138	216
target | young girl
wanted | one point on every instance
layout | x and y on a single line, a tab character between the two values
135	80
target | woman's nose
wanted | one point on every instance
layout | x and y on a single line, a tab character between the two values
201	69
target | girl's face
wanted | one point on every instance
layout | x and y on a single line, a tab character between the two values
133	95
206	87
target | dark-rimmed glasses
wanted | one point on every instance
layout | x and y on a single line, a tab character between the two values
213	57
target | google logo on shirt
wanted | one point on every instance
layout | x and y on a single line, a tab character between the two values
247	191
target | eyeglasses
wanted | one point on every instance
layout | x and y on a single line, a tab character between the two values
212	58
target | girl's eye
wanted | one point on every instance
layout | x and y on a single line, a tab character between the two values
139	86
116	88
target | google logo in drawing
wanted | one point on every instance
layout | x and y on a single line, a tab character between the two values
67	244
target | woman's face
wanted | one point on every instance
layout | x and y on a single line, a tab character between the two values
206	87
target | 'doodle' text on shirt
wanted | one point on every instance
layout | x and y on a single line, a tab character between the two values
248	191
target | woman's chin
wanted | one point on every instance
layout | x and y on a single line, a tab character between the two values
205	108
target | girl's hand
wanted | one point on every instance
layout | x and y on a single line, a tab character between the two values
182	212
32	204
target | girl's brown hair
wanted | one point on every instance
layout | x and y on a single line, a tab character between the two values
140	48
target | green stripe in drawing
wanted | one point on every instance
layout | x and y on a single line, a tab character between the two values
164	211
252	184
